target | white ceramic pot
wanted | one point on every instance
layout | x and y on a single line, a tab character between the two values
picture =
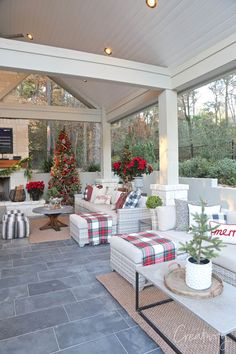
153	218
138	183
198	276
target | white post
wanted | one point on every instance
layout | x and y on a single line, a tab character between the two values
169	188
106	171
168	137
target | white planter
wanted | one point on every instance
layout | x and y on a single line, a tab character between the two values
198	276
154	219
138	183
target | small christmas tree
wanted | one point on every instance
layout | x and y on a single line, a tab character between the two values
196	248
65	180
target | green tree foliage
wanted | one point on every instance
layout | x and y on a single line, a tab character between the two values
202	246
65	178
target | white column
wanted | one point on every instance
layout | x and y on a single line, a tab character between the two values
168	137
106	171
169	188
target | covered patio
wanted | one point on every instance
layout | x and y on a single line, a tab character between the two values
45	292
157	53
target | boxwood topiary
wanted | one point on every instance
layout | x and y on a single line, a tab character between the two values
153	202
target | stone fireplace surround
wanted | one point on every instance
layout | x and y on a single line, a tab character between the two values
10	182
16	179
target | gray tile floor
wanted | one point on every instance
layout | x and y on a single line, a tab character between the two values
51	302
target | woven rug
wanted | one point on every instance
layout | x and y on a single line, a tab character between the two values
184	329
39	236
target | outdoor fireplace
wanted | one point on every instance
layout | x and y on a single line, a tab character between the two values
4	188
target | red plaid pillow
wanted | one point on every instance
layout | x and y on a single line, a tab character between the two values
121	201
88	192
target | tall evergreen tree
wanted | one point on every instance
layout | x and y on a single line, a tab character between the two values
65	180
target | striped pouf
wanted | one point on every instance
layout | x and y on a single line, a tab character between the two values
15	225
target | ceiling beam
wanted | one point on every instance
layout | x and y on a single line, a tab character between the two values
81	97
49	113
16	55
205	67
131	104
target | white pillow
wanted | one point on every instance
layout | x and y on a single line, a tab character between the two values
226	232
112	192
142	202
97	191
193	209
102	199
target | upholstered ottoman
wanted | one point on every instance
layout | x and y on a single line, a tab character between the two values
15	225
125	257
79	229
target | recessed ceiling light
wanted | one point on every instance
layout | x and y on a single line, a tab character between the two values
29	36
151	3
108	51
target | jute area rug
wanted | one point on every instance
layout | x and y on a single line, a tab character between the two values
189	333
38	236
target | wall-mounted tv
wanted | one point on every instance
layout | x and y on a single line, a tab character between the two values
6	141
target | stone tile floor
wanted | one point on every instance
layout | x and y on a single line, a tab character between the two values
51	302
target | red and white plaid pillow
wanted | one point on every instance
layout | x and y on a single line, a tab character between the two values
88	192
121	201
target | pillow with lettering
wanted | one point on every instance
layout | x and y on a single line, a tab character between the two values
226	232
102	199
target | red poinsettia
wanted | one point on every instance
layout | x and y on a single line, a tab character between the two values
35	185
131	169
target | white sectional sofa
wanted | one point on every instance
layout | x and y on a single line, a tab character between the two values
124	220
225	264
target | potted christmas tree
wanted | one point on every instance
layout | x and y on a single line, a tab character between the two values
64	182
201	249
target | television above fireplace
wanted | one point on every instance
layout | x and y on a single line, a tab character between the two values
6	141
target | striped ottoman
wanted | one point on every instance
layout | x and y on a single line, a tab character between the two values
15	225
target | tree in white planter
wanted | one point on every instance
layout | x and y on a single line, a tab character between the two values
201	249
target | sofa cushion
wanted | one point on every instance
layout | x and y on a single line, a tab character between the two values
166	217
227	258
231	217
103	199
227	233
142	202
132	199
96	208
121	200
193	209
176	236
97	190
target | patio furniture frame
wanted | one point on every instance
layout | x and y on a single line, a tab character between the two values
140	310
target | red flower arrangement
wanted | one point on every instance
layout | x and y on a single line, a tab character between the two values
31	186
131	169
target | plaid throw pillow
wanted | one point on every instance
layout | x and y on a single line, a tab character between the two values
132	199
88	192
121	201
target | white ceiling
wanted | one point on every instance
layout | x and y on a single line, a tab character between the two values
174	32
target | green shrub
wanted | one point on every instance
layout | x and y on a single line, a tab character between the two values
196	167
94	167
47	164
225	171
153	202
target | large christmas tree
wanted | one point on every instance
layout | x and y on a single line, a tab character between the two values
65	180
